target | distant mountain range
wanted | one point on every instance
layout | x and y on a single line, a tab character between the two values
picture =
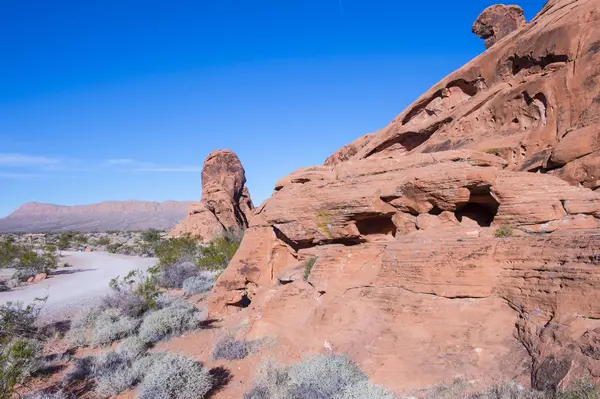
110	215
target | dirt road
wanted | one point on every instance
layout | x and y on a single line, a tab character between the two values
87	278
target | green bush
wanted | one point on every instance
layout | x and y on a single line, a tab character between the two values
175	377
64	240
173	249
104	241
20	351
151	236
217	254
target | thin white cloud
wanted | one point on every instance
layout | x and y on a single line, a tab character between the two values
19	176
182	169
122	161
26	160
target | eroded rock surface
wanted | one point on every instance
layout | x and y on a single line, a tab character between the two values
429	251
498	21
225	203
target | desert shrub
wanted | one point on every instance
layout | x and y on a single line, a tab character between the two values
47	395
64	240
132	347
174	319
112	374
229	348
217	254
510	390
126	301
365	390
270	381
18	321
19	360
76	337
174	274
4	287
319	377
114	247
81	369
327	374
176	249
110	326
27	261
134	294
308	267
503	231
151	236
80	239
199	284
85	316
580	390
176	377
104	241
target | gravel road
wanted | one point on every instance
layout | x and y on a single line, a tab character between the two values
86	279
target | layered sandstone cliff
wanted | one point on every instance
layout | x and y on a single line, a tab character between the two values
462	240
225	203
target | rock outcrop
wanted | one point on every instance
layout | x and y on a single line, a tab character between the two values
225	203
429	250
498	21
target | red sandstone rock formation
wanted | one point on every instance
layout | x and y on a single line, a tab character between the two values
498	21
225	203
410	275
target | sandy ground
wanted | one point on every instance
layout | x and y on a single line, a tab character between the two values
86	279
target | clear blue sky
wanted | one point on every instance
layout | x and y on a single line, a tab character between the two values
115	100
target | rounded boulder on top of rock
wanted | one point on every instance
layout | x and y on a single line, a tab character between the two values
497	21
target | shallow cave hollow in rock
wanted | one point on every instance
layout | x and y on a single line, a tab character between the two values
482	207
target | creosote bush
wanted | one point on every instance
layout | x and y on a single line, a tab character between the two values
175	377
322	376
217	254
179	316
176	249
20	350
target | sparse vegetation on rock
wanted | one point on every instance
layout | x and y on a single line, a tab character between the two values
504	231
